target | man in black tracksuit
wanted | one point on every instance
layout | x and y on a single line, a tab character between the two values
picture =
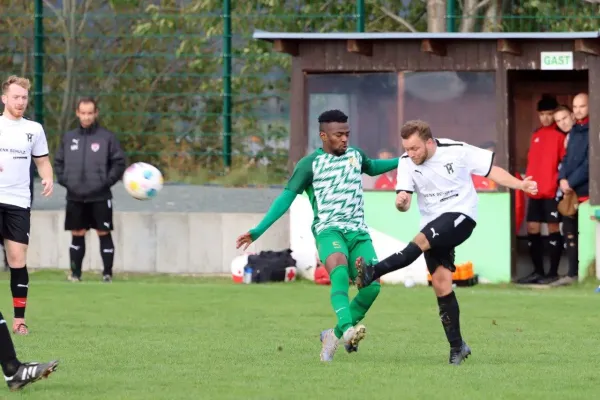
88	162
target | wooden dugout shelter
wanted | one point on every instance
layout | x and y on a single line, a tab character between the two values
516	60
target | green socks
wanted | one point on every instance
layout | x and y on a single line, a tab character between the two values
339	297
361	304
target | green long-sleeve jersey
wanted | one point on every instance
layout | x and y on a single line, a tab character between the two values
334	188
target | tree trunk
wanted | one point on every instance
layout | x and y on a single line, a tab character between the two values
493	17
436	15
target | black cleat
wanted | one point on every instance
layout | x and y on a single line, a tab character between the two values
365	273
459	354
107	278
28	373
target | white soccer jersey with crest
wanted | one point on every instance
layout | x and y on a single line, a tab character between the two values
444	183
19	141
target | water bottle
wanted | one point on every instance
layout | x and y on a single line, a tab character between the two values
247	274
597	289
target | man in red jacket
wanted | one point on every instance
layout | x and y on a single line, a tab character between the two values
545	154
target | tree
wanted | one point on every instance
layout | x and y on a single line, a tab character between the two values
156	66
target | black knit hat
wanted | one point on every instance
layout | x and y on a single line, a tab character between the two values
547	103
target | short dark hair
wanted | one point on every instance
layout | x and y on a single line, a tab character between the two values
333	116
419	127
563	107
82	100
547	103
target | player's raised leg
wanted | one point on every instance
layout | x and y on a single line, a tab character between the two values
17	374
361	246
367	272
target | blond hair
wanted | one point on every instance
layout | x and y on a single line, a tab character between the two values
17	80
421	128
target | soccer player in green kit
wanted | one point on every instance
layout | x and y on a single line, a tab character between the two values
332	178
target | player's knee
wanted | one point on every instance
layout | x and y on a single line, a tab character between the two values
102	233
16	255
421	241
533	228
80	232
334	260
553	228
441	281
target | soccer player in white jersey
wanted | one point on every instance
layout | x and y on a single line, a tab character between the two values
20	140
439	172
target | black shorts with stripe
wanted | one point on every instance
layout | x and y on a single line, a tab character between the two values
444	234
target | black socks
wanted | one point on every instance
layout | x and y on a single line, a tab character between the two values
77	252
19	286
107	251
449	315
8	357
536	251
556	249
397	260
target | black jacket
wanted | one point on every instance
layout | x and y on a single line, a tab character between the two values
575	167
88	163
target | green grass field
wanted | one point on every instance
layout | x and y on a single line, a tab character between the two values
192	338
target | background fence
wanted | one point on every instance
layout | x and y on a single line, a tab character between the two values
185	86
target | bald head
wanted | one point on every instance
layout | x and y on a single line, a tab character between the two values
580	106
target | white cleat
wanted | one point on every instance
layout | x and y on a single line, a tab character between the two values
354	335
329	345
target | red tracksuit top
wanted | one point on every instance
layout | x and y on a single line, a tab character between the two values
546	151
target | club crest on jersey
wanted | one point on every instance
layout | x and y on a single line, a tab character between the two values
95	147
29	137
353	161
449	168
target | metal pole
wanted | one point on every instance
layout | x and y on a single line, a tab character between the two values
360	15
227	83
38	65
450	15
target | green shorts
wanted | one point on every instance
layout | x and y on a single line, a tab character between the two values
350	244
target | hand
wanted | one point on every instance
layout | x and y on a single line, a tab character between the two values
402	200
529	186
564	186
48	185
244	240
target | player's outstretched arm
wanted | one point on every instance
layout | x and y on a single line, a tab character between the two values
378	167
502	177
280	205
300	180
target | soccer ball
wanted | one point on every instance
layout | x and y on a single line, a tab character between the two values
142	181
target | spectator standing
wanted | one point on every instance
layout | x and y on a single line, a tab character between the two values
88	162
387	180
482	183
574	177
546	151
